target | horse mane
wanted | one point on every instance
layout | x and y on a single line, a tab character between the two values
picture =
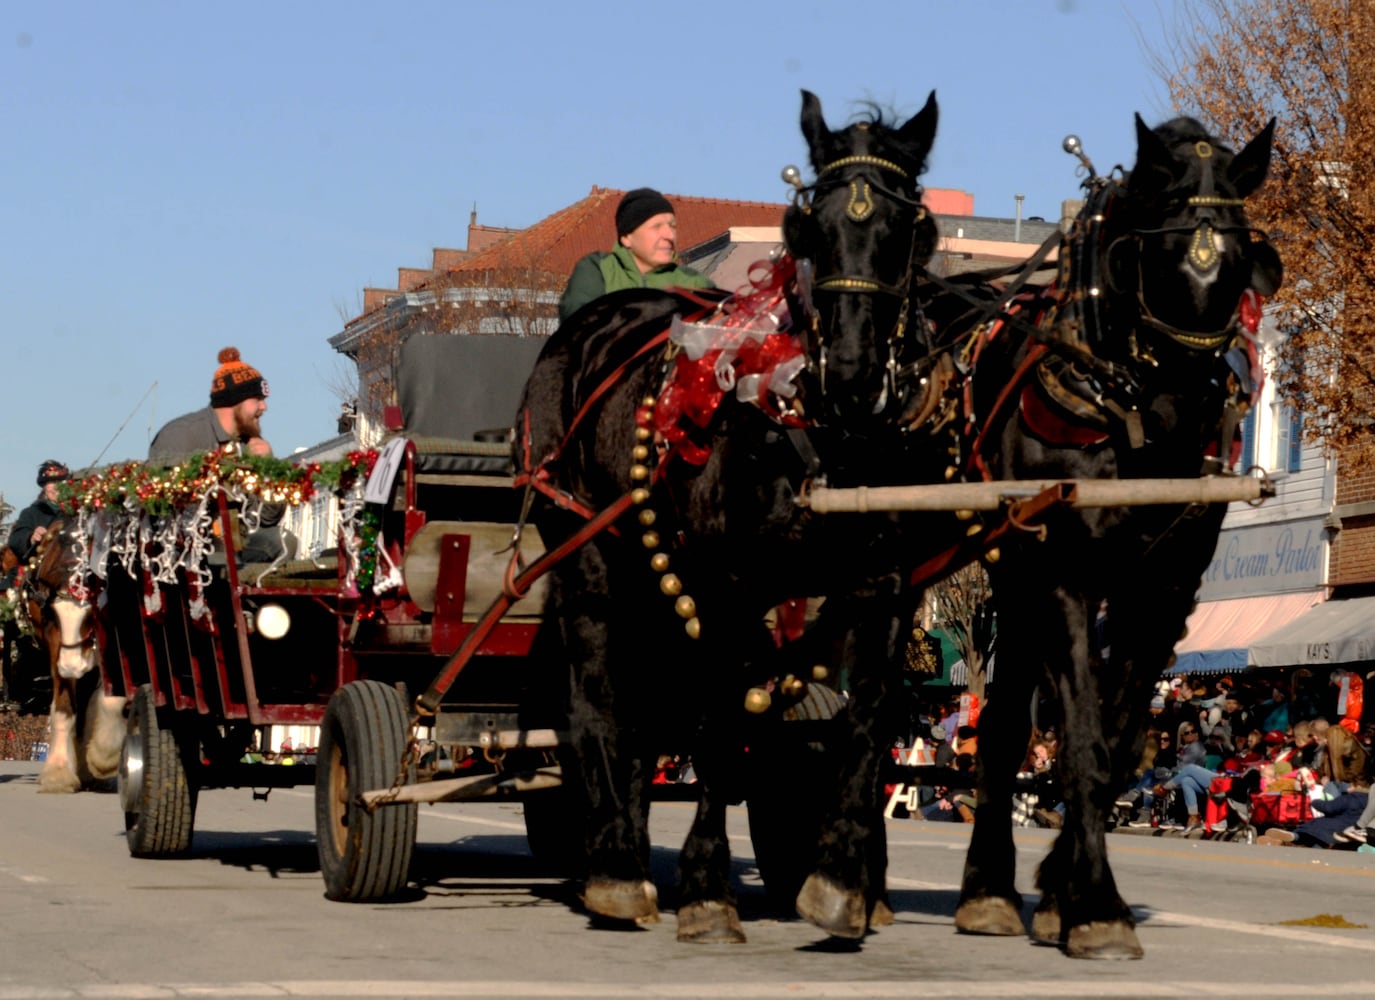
885	124
1186	129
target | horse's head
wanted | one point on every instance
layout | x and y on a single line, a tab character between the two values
863	227
1183	247
59	603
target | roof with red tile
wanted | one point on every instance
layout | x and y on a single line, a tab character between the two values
557	242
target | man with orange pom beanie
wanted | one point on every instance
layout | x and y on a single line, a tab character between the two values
238	400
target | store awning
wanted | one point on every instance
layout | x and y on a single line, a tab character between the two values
1333	632
1221	632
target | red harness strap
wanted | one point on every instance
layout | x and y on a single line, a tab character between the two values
1033	355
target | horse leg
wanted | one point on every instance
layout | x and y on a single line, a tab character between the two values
59	770
1081	906
706	909
102	737
989	901
849	883
618	885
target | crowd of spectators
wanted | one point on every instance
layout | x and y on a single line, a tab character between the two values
1216	747
1289	746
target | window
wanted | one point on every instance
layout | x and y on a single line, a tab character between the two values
1248	439
1288	438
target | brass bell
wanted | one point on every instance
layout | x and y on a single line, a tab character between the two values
685	606
639	472
973	530
820	672
795	687
659	562
950	471
647	516
650	539
647	401
639	452
670	584
639	495
993	555
693	628
757	701
643	433
964	515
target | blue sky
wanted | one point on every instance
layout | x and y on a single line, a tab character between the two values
182	177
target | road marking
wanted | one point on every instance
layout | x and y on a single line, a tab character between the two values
520	990
1147	917
7	870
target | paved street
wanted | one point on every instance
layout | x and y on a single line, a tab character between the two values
245	916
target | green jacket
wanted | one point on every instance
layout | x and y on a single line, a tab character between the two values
602	272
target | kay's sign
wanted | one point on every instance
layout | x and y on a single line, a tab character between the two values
1266	559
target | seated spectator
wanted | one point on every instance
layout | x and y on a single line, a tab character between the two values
1336	815
1235	716
953	804
1190	777
1217	748
1038	777
1344	758
1274	713
1248	754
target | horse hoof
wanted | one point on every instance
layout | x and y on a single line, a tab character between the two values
881	915
1045	926
60	782
623	900
989	915
710	923
836	910
1113	939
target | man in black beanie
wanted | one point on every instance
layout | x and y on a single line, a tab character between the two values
646	255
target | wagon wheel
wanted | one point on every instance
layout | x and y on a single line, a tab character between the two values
785	812
157	790
363	856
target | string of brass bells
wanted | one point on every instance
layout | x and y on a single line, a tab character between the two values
669	583
758	699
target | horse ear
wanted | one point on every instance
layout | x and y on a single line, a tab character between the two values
814	128
920	130
1155	164
1267	270
1249	167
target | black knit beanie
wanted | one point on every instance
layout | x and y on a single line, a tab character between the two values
235	380
638	207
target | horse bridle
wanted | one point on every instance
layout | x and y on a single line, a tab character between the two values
1202	256
859	210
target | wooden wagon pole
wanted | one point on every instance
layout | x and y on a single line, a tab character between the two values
1071	492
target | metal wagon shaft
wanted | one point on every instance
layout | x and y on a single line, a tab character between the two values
1070	492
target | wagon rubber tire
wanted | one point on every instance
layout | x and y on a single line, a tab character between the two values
784	810
156	788
363	856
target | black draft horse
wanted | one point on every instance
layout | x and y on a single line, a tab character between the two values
660	618
1139	369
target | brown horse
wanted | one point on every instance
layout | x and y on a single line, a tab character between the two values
60	608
